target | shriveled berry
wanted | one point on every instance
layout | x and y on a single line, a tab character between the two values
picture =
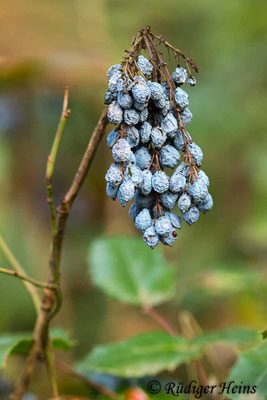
121	151
144	65
158	136
131	117
160	182
146	184
179	75
126	192
113	175
169	156
143	158
151	237
181	98
163	226
184	202
115	113
168	199
191	216
143	220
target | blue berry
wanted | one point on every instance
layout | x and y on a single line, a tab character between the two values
131	117
134	210
169	124
151	237
140	106
178	141
115	113
175	220
113	175
160	182
191	216
146	184
143	220
191	81
111	191
111	138
126	192
186	116
203	177
169	156
144	65
143	158
134	173
196	153
177	182
113	69
145	132
163	226
144	115
181	98
206	205
132	136
121	151
143	201
168	199
141	92
158	136
156	90
169	239
110	97
125	100
198	190
113	81
184	202
179	75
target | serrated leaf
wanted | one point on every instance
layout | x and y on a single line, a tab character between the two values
150	353
251	369
129	271
15	344
141	355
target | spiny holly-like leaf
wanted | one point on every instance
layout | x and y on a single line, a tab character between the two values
130	272
152	352
14	344
251	369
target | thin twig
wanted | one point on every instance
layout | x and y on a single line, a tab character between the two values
33	291
51	159
159	319
99	388
51	301
34	282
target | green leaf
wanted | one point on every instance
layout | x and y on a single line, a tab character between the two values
129	271
251	368
141	355
15	344
264	334
239	336
152	352
7	343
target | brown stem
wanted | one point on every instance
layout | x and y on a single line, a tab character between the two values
159	319
50	302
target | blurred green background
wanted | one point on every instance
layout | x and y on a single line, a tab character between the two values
221	261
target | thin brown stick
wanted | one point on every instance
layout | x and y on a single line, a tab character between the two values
99	388
34	282
159	319
50	302
33	291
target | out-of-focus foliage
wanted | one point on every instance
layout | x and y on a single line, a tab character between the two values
128	272
220	264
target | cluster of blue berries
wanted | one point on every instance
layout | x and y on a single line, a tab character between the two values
149	138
